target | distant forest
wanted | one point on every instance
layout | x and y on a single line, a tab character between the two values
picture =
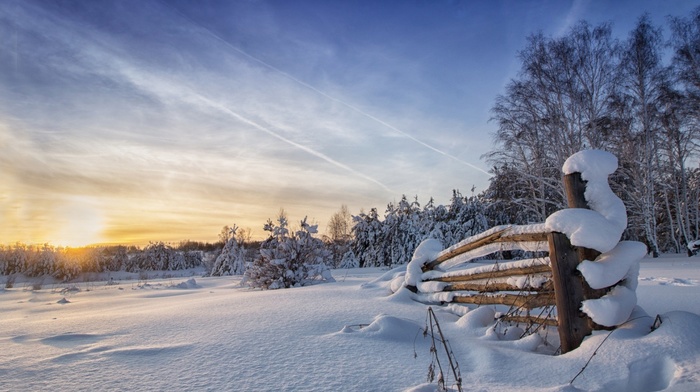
638	98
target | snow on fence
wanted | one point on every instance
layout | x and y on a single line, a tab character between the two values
587	281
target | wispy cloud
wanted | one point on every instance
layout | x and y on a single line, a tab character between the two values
177	129
325	95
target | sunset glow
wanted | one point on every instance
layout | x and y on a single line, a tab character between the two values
166	120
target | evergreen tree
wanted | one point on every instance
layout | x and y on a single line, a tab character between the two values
231	261
289	260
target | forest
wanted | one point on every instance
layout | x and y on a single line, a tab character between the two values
637	97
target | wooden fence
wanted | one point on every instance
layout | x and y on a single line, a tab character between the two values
544	283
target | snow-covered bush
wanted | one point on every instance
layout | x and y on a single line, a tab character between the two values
288	260
231	261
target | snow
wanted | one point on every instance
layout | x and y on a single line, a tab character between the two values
614	266
424	253
600	227
349	335
614	308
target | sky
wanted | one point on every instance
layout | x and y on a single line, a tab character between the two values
124	122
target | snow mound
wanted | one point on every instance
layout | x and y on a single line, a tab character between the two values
478	318
189	284
424	253
388	328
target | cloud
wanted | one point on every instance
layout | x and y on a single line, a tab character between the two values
169	128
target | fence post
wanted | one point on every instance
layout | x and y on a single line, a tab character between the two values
568	292
569	285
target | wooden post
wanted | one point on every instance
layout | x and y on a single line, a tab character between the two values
570	287
575	188
568	292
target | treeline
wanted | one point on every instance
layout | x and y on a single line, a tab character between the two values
67	263
638	98
391	239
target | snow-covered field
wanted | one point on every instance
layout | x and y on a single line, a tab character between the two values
351	335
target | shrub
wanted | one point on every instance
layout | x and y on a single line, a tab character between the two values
289	260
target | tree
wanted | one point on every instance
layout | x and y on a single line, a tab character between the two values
225	235
231	261
558	105
339	234
349	260
642	78
369	239
289	260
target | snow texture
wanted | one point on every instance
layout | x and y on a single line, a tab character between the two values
350	335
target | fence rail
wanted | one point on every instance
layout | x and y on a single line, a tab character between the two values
559	283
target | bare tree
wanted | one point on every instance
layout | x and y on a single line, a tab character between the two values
559	104
339	234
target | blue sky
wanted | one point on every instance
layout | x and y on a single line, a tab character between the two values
129	121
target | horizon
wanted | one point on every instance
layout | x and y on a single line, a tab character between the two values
164	121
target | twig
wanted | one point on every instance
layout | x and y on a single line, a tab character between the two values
432	320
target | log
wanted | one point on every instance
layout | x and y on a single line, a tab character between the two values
496	237
552	322
535	269
575	188
495	286
530	301
464	248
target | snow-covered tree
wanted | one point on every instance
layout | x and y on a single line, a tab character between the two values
368	244
349	260
289	260
231	261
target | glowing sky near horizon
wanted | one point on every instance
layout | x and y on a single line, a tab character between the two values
137	121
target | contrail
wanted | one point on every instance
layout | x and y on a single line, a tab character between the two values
310	87
291	142
150	84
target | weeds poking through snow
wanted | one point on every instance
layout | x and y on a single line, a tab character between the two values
432	324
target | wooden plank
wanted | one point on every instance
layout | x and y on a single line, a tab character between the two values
535	269
568	286
521	301
494	286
